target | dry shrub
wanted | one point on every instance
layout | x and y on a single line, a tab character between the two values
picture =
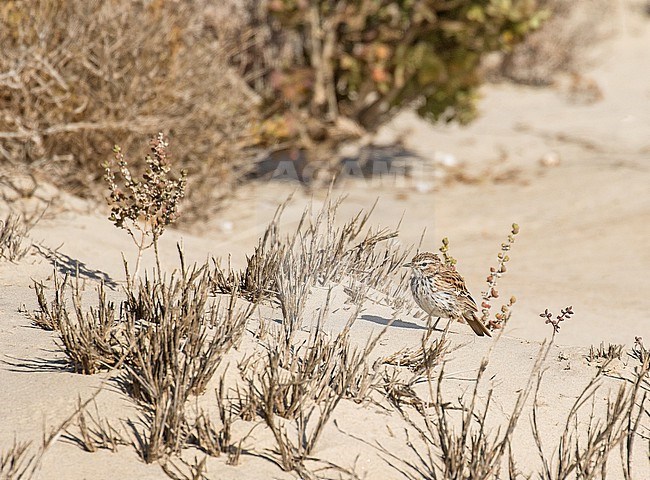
50	313
90	338
176	340
321	253
583	451
297	383
453	440
168	337
297	386
16	463
78	77
173	321
14	241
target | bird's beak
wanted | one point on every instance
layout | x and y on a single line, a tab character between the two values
408	265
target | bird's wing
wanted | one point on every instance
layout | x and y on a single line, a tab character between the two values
455	283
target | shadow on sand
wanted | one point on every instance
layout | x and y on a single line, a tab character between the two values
67	265
396	323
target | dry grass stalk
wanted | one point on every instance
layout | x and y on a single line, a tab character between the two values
208	437
176	344
297	387
187	470
19	464
611	352
257	280
640	394
14	241
330	254
583	452
469	451
293	282
50	314
243	403
95	433
90	338
172	323
215	440
16	463
491	293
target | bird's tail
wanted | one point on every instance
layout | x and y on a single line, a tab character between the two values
478	327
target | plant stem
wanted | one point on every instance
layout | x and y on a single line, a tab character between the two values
140	250
155	249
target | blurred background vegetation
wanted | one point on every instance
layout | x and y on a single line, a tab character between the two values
231	81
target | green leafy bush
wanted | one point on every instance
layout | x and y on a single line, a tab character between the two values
364	60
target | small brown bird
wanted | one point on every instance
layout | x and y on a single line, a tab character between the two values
441	292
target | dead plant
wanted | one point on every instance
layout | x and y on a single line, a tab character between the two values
176	343
95	433
145	207
14	240
453	448
50	314
297	387
330	254
181	469
583	451
78	78
90	338
605	353
217	439
17	463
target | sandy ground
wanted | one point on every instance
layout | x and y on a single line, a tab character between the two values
584	241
